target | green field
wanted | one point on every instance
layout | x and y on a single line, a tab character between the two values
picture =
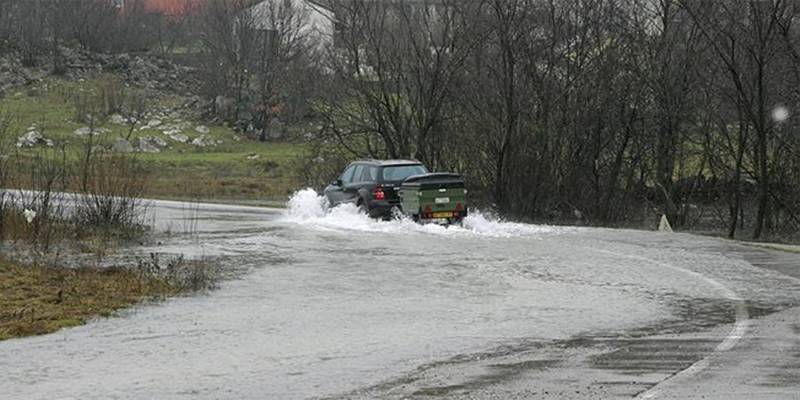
234	168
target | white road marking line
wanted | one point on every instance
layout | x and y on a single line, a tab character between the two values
736	333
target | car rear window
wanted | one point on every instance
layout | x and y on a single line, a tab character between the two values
401	172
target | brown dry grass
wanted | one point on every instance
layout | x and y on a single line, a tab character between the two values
37	300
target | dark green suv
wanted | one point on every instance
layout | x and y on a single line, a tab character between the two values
373	185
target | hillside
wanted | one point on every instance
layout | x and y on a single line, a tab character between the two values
144	106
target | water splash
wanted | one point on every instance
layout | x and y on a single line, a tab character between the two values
307	204
308	208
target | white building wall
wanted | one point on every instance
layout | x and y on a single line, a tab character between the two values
318	21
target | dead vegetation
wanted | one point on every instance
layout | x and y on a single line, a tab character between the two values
54	243
42	298
38	299
42	213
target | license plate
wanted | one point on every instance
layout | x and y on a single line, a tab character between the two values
442	200
443	215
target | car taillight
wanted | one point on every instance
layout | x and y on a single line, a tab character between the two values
378	194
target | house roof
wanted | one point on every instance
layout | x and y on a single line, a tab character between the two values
185	7
170	7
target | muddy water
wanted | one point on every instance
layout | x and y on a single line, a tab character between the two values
325	302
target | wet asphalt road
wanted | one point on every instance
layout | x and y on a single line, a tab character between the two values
331	305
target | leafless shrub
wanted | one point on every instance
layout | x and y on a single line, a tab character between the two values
322	163
86	106
112	94
186	275
107	96
89	109
6	198
178	30
89	22
28	25
43	175
134	110
112	201
259	61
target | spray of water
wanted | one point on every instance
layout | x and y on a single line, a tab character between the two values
308	208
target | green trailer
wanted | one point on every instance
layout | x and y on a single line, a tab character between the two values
434	198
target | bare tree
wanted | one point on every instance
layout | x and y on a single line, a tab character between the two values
282	50
746	40
399	61
227	44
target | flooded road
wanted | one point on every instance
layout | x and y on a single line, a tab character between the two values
329	304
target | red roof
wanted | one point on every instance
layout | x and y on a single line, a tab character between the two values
171	7
184	7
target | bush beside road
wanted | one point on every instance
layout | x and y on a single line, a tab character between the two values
54	269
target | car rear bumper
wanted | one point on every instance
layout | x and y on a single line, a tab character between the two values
439	216
382	208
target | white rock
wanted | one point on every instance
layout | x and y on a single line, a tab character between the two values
32	139
153	123
202	129
158	141
118	119
82	131
179	137
199	142
202	141
122	146
145	146
86	131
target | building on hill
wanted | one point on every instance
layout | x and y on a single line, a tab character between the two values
314	21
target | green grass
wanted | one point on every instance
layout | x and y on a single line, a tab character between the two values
247	171
46	106
237	169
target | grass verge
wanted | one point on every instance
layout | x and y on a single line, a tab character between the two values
36	300
774	246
